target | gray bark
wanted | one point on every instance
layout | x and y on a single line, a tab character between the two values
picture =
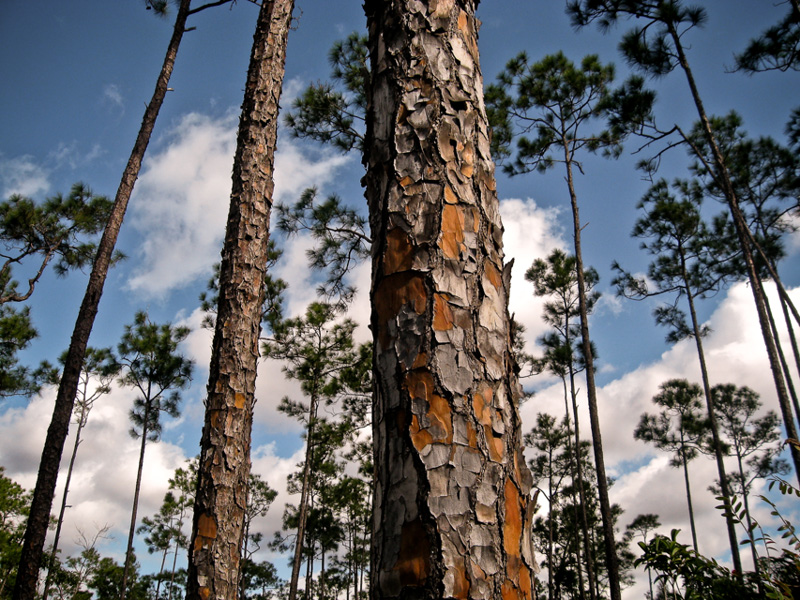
452	511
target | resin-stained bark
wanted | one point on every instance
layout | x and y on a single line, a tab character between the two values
225	447
452	508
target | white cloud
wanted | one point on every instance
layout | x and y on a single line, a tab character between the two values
645	481
70	156
181	200
274	470
22	175
531	232
101	491
112	96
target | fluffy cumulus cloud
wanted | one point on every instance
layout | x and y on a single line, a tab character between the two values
101	491
531	232
645	483
181	199
22	175
181	202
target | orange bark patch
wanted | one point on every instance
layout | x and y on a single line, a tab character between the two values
239	400
441	419
399	252
419	384
419	437
488	180
452	231
480	406
460	582
510	591
476	220
204	592
468	160
525	584
413	562
512	528
206	530
449	195
492	274
463	24
496	445
442	315
472	436
406	181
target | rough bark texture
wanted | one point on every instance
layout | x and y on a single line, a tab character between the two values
36	531
214	552
452	512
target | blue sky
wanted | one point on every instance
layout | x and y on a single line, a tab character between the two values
76	77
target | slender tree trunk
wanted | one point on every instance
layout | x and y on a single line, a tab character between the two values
452	512
712	419
578	466
36	530
787	374
310	570
322	575
302	516
225	446
588	550
577	506
792	338
550	540
174	563
749	521
174	567
245	539
745	237
161	572
134	510
611	559
54	551
685	464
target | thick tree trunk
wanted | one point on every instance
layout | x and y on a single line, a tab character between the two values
214	552
452	512
36	531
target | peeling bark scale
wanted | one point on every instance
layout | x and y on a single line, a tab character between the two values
224	467
452	512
